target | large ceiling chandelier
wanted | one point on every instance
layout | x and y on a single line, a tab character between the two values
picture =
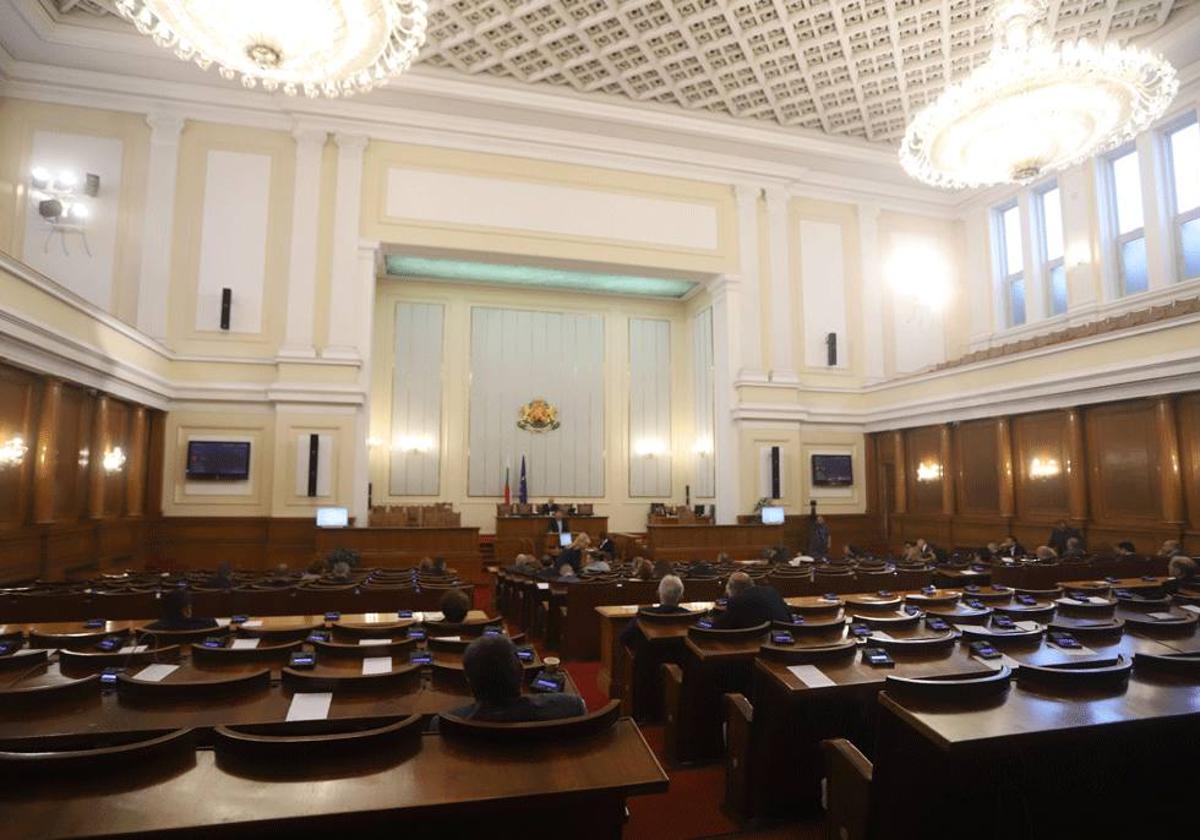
315	47
1035	107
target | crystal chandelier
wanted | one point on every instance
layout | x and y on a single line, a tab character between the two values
1035	107
315	47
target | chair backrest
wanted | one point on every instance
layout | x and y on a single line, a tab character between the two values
93	756
802	654
403	678
179	637
337	650
848	790
942	688
289	748
915	645
209	685
1181	664
563	729
741	634
21	659
19	698
71	641
262	653
668	619
1077	674
89	662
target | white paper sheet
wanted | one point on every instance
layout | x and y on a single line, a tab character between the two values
1028	626
543	586
255	623
244	644
134	649
811	676
310	705
1162	616
1190	608
435	616
376	665
374	641
155	673
222	622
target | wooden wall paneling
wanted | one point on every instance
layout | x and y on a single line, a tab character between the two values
1005	503
1040	499
923	447
116	441
72	454
946	458
96	449
1125	486
17	406
1187	415
1169	472
900	463
1075	469
154	463
978	466
136	468
46	452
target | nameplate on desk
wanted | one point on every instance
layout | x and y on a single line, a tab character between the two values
543	586
134	649
252	624
374	641
155	673
310	705
376	665
811	676
222	622
244	644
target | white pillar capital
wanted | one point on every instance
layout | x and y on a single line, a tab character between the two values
349	142
165	127
307	136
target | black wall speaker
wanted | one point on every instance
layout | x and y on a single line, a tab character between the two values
831	349
226	305
776	491
314	451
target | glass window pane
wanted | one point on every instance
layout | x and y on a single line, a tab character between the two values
1127	186
1189	242
1052	220
1058	290
1011	219
1133	266
1185	166
1016	302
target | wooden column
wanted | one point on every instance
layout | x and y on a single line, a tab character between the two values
946	456
135	466
46	452
96	458
1169	473
901	488
1075	469
1004	467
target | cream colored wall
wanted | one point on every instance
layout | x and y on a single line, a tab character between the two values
20	119
624	512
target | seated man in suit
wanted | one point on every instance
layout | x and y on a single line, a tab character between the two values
454	606
176	608
1184	570
1061	537
1074	549
558	523
750	605
1011	548
495	675
1169	549
670	593
1125	549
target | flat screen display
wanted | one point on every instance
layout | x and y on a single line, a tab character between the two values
333	517
772	516
832	471
218	460
565	540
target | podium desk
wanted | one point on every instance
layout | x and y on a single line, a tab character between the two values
531	534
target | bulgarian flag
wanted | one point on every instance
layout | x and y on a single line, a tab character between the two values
507	489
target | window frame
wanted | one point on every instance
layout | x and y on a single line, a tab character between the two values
1047	265
1005	275
1120	240
1177	218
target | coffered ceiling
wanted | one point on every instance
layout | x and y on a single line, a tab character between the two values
843	67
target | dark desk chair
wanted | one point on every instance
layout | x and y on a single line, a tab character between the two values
847	790
739	728
1077	675
888	621
61	757
278	635
216	657
37	696
466	628
917	644
72	641
179	637
741	634
24	658
986	687
283	746
93	662
397	648
402	678
353	632
810	653
195	688
516	734
1175	664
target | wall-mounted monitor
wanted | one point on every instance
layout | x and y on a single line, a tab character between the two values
772	516
832	471
333	517
218	460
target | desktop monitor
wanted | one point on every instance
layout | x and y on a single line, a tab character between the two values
333	517
772	516
565	539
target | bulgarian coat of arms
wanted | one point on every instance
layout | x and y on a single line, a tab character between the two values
537	416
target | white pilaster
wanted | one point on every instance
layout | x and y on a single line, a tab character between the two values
872	292
726	307
1083	278
302	266
750	367
1160	250
1031	253
784	320
158	226
348	321
363	288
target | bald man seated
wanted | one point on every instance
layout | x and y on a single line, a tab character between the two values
495	675
750	605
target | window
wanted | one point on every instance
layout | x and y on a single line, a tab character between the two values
1048	201
1183	153
1011	261
1126	194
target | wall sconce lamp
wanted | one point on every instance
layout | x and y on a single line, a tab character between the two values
703	447
114	460
374	442
1044	468
650	448
928	471
12	452
60	202
412	443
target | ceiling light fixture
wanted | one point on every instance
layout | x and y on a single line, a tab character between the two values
315	47
1034	106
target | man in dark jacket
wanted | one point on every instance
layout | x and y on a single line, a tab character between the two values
750	605
670	592
1061	536
495	675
